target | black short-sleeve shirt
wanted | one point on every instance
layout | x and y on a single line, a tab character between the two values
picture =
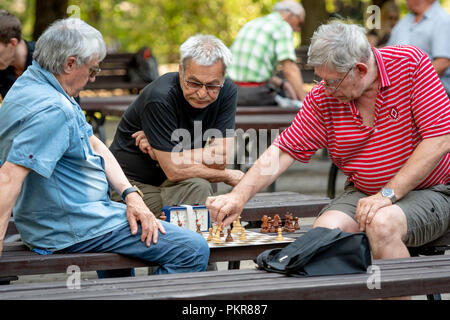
171	124
8	76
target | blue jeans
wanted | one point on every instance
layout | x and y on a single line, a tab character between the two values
179	250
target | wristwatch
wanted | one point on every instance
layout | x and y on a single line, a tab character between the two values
389	193
130	190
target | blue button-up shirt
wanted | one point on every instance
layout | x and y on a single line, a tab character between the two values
431	34
65	197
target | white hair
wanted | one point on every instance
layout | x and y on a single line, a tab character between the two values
339	45
289	6
205	50
66	38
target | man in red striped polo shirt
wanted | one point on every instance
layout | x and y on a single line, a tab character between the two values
384	116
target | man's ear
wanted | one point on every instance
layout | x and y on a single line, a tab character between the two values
70	65
13	42
362	68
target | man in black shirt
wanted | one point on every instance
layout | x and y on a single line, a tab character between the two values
16	54
173	139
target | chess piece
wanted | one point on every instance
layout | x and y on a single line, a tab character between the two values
216	237
271	226
221	230
215	226
235	229
180	224
280	235
198	228
238	223
229	237
243	236
296	225
163	216
210	234
264	224
277	221
292	224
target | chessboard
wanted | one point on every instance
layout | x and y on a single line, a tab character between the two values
253	239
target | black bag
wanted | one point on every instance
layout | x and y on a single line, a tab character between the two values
143	67
318	252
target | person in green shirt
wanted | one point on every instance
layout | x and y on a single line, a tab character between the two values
260	46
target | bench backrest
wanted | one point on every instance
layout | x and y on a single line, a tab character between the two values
114	74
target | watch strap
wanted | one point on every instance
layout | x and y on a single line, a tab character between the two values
129	190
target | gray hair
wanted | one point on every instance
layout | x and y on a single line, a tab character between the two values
205	50
339	45
289	6
66	38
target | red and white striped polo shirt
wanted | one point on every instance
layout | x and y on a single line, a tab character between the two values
411	106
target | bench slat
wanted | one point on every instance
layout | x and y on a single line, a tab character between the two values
253	284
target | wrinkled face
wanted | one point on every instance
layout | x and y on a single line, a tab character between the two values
201	84
6	54
418	6
294	20
77	77
344	86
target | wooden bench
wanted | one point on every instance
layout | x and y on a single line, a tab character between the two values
398	277
114	74
17	259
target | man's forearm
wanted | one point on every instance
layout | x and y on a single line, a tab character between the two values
294	76
440	65
196	171
114	173
213	155
422	162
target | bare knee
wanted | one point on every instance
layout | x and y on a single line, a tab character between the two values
388	224
336	219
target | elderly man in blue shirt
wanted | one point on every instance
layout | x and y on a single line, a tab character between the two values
55	174
427	27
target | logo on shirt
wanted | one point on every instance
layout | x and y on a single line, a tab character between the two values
393	113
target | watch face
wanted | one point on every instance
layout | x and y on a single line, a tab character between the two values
387	192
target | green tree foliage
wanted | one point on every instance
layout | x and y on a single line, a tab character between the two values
164	24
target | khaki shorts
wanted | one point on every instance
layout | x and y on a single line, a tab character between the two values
427	211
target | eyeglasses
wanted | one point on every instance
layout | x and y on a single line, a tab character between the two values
213	88
93	71
327	83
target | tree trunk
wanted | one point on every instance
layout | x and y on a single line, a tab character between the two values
316	14
47	11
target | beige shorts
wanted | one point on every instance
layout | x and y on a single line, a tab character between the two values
427	211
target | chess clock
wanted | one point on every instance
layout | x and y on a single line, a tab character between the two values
188	216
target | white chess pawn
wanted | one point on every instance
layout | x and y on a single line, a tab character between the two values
280	235
243	236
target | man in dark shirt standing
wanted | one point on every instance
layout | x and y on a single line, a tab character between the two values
16	54
173	140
